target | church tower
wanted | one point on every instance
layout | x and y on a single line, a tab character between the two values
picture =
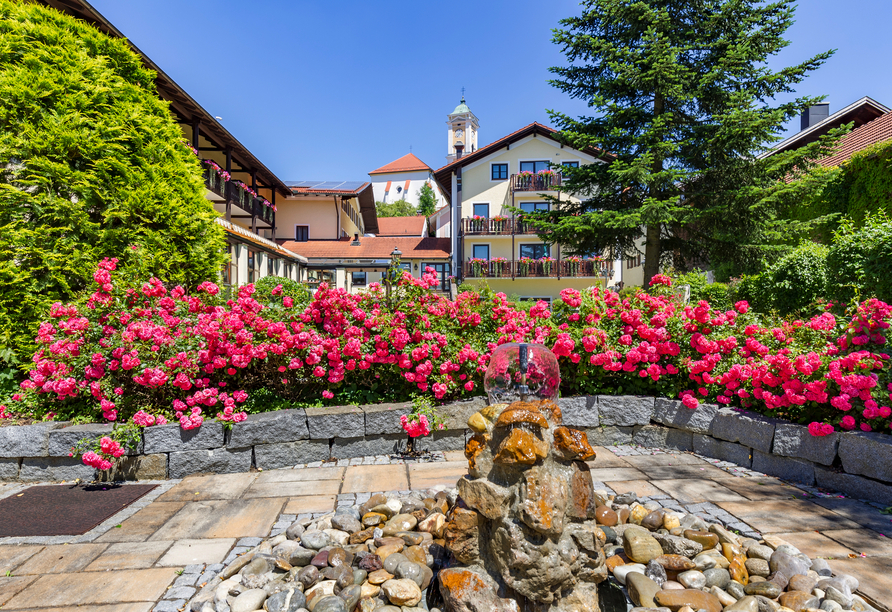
463	126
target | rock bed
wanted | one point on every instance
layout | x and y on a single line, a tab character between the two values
381	556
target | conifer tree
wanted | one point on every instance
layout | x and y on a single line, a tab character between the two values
682	103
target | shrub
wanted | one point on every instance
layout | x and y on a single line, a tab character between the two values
717	294
799	279
272	290
138	351
859	263
90	163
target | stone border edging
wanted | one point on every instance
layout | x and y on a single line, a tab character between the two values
855	463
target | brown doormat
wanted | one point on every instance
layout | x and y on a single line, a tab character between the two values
52	510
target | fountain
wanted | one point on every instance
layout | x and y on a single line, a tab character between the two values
523	531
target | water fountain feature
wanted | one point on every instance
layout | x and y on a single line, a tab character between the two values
523	531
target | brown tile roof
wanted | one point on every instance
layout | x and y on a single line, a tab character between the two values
372	248
860	138
401	226
406	163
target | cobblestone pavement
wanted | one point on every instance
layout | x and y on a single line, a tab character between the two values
156	553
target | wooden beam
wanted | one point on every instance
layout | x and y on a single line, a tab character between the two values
229	170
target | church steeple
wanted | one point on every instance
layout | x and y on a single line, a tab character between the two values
463	126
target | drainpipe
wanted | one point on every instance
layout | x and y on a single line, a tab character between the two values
337	218
458	239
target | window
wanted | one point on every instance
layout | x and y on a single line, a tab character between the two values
536	251
271	266
634	262
481	210
480	251
499	172
533	206
570	164
359	279
301	233
286	272
534	166
405	265
252	266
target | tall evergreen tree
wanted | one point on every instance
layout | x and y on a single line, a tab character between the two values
427	200
681	99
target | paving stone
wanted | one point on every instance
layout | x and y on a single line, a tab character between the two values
347	448
173	438
128	555
761	488
873	574
26	440
12	556
783	516
625	410
185	552
335	421
310	504
673	413
42	469
641	488
144	523
689	490
289	454
10	585
662	437
750	429
859	512
214	486
794	470
180	593
609	436
866	541
383	419
311	474
792	440
580	411
853	485
146	585
616	474
168	606
429	475
216	461
64	559
867	453
726	451
236	518
292	488
815	544
269	428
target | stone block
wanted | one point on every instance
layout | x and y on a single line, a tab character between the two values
26	440
173	438
348	448
786	468
289	454
215	461
141	467
42	469
456	414
673	413
269	428
609	436
792	440
749	429
726	451
854	486
580	411
865	453
625	410
383	419
9	469
655	436
335	422
62	440
446	440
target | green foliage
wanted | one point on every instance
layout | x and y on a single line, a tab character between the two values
677	92
862	187
800	278
717	294
299	292
755	289
399	208
859	263
90	163
427	200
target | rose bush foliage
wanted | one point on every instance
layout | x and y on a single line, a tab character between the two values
142	352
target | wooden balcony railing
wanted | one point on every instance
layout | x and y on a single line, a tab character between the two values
239	196
536	182
213	181
539	269
493	227
263	212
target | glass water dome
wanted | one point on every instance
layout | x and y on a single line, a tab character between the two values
522	372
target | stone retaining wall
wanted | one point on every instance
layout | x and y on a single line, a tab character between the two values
856	463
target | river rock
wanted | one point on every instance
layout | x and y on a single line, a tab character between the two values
316	540
640	546
249	601
696	600
606	516
787	564
346	522
757	567
294	531
765	589
656	572
801	582
330	603
798	600
654	520
466	591
759	551
402	592
410	571
675	563
692	579
747	604
717	577
379	577
641	589
291	600
674	545
393	561
622	571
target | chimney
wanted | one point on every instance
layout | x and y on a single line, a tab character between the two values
458	150
355	240
813	115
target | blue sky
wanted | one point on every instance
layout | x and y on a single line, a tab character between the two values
332	90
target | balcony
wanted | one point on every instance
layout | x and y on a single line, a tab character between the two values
545	181
264	211
497	226
239	194
214	179
539	268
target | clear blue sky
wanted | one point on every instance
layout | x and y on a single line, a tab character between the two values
332	90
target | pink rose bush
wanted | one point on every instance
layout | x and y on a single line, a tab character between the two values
144	353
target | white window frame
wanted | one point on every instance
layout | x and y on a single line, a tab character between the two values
488	208
507	165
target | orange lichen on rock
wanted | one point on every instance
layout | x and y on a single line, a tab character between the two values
473	448
521	446
525	414
552	412
572	444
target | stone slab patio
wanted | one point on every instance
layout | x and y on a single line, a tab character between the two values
155	557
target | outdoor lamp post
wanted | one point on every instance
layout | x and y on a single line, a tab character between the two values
395	256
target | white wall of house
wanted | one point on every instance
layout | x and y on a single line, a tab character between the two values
398	189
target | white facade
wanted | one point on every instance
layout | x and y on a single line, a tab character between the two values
394	186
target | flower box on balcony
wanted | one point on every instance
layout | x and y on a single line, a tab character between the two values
241	195
215	178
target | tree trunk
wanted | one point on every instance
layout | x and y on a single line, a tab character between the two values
652	249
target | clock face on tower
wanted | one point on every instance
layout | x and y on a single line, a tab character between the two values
459	133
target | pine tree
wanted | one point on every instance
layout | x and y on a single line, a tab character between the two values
681	103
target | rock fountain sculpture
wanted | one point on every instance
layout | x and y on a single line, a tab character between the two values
523	532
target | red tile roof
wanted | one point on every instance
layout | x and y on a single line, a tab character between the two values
372	248
401	226
328	191
406	163
860	138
